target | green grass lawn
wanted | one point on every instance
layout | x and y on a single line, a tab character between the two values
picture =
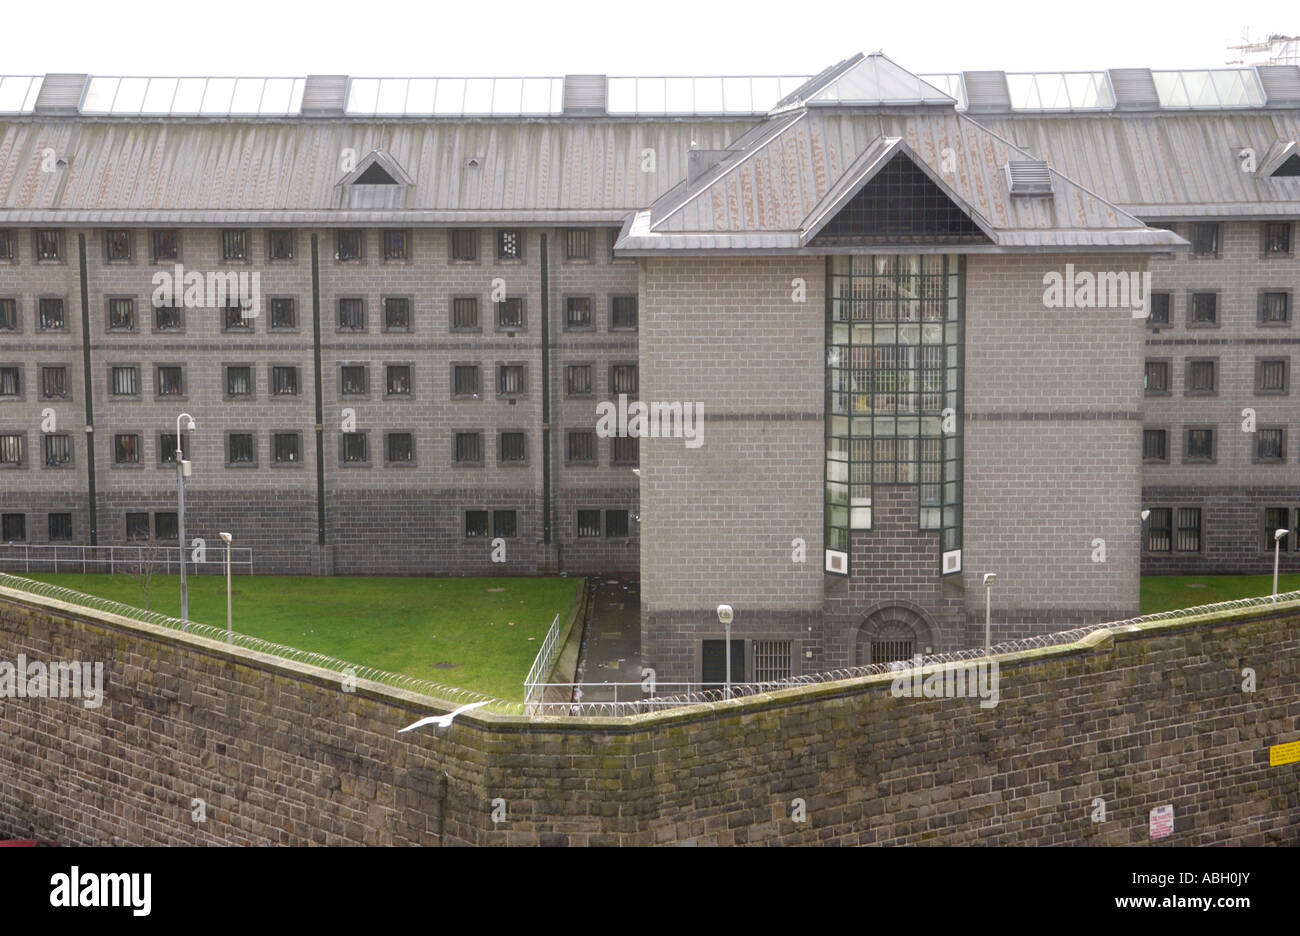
1168	592
474	633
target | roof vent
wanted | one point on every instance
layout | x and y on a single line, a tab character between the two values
1281	83
584	94
324	95
1282	161
1029	177
61	94
474	162
987	91
1134	88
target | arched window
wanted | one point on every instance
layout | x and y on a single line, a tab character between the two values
890	634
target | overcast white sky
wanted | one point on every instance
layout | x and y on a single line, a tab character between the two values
619	37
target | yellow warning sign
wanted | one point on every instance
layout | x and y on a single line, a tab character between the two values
1280	754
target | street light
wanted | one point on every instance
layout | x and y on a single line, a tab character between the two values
230	632
182	471
988	608
725	615
1278	536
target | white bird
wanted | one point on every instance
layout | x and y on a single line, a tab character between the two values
442	721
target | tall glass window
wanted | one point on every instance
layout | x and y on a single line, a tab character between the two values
893	393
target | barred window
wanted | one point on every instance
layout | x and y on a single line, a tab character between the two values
352	380
464	244
1274	308
1160	530
892	651
512	447
1205	308
170	381
126	381
1270	376
395	246
401	447
349	246
623	379
13	527
476	523
8	314
1155	445
117	245
1157	377
54	383
588	523
1201	376
397	312
577	312
121	314
10	382
288	448
577	379
577	244
1270	444
622	312
51	315
399	380
279	244
8	246
126	449
354	447
236	316
284	380
771	660
582	445
465	381
166	245
239	381
464	313
1159	309
352	314
510	245
469	448
624	450
616	524
510	380
510	313
60	527
284	313
1277	237
49	245
241	451
137	526
1189	529
165	526
1276	518
167	448
234	245
1205	239
504	524
1200	444
168	318
58	450
11	448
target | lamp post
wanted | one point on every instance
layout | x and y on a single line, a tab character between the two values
182	469
988	608
230	631
725	615
1278	536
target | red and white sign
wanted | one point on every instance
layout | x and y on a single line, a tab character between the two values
1162	822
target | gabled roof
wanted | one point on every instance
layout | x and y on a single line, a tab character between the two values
377	168
873	80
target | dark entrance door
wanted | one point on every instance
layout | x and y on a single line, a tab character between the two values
714	669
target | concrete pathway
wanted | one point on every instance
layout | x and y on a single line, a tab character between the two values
611	642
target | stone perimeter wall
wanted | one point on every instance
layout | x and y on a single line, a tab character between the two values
280	755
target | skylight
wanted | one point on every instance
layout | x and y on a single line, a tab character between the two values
18	93
754	94
208	97
949	83
1224	87
1060	91
455	97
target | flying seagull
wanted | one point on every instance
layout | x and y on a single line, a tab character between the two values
442	721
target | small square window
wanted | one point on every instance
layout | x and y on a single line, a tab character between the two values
1160	530
589	523
234	246
399	379
1202	376
121	314
239	381
288	448
354	447
54	382
1277	238
464	245
577	312
469	448
400	447
13	527
8	246
1205	239
52	317
1274	308
165	245
1157	377
1200	444
1204	309
58	450
1276	518
126	449
1155	445
396	245
504	524
349	246
352	314
12	448
581	446
623	379
510	313
284	313
167	448
168	318
464	313
11	382
280	245
170	381
625	450
577	244
8	314
465	381
510	245
616	524
1271	375
622	312
165	527
125	381
397	313
476	523
49	246
353	380
512	448
577	379
60	527
1270	444
137	527
511	381
1159	309
117	245
236	317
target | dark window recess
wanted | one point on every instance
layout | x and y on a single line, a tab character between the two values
60	527
13	527
476	523
465	380
510	245
165	526
137	527
8	314
1160	530
236	317
284	313
1276	518
234	245
1200	444
1270	444
1201	376
589	523
288	448
1205	308
577	379
121	314
1205	239
1155	445
469	447
1270	376
1157	377
616	524
504	524
625	450
577	312
622	312
901	202
399	380
1189	530
126	449
354	447
167	448
54	383
239	381
397	312
512	447
168	318
117	245
8	246
49	245
58	450
1159	309
241	448
126	381
510	313
401	447
11	448
352	380
1277	237
349	246
464	244
713	663
51	315
613	239
169	381
582	445
464	312
352	314
165	245
280	244
577	245
510	380
623	379
10	381
892	651
1274	308
395	245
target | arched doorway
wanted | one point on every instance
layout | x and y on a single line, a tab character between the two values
890	633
